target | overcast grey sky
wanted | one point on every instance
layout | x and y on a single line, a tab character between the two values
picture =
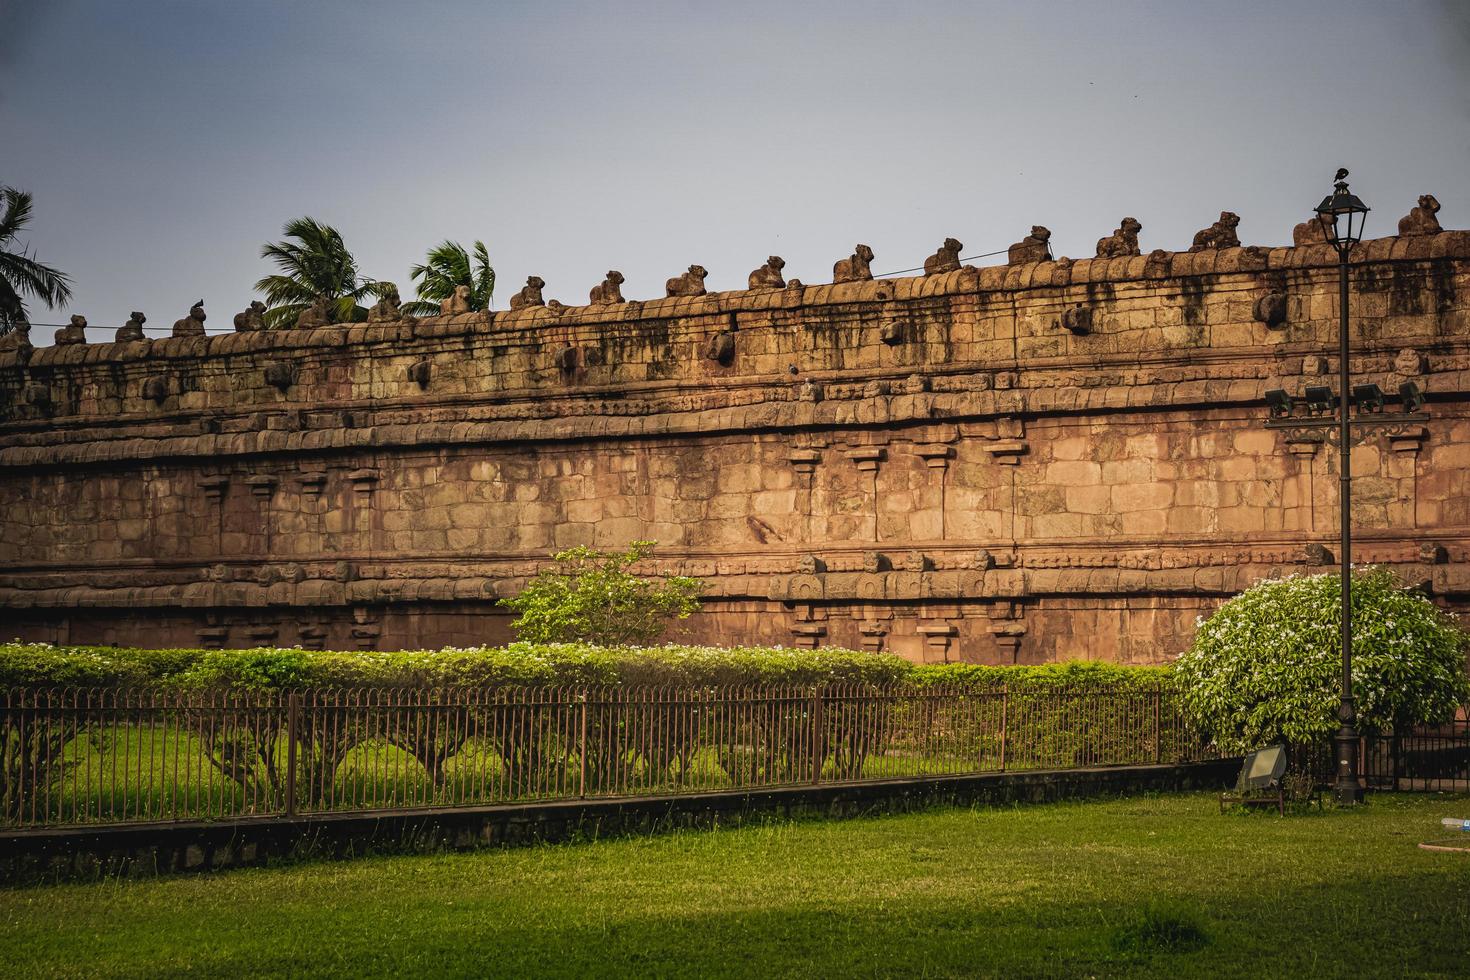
166	141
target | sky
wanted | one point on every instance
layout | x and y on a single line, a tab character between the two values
165	142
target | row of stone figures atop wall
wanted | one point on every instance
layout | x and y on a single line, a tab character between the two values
857	267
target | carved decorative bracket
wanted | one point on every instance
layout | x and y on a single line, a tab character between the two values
214	487
262	486
808	635
936	456
312	483
867	458
363	481
805	460
213	637
1007	452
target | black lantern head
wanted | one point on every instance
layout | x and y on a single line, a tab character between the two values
1342	215
1369	398
1278	402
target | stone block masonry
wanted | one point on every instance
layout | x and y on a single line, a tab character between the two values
1023	463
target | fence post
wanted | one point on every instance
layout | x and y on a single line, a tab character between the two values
582	748
1005	700
1158	727
817	735
293	727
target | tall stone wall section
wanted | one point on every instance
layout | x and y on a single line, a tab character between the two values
1012	464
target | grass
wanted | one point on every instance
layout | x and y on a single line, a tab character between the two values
1154	886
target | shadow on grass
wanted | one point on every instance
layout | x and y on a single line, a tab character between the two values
1387	925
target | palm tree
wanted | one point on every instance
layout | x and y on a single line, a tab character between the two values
19	272
316	264
448	265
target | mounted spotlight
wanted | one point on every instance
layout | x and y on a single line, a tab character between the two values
1412	397
1368	398
1319	399
1279	403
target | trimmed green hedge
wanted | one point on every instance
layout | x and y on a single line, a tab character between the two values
527	664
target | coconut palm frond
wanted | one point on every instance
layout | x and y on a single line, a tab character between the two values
20	273
449	265
313	261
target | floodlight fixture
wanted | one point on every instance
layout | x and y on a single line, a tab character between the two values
1412	397
1320	399
1278	402
1368	398
1342	215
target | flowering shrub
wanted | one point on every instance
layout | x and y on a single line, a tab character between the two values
1267	667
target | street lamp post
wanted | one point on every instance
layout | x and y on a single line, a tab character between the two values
1342	216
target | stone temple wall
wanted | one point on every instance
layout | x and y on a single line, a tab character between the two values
1012	464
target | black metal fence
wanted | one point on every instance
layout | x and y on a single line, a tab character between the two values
73	756
1431	759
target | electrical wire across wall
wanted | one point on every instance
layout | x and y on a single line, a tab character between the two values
221	333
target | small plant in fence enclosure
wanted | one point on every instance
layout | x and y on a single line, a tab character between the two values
590	596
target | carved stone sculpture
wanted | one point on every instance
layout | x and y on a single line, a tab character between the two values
769	275
1123	241
1421	220
721	348
19	337
947	259
690	283
74	332
251	318
1270	309
193	324
856	267
1035	247
320	313
155	388
530	294
387	309
556	307
1221	234
609	292
1311	231
459	302
132	330
1078	319
280	375
1409	362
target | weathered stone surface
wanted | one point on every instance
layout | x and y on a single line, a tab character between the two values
1118	483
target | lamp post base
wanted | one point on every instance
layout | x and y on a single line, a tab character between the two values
1347	790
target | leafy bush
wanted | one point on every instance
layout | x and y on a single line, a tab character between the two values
591	597
1070	675
535	665
1266	667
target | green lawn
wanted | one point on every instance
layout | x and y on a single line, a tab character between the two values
1055	890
